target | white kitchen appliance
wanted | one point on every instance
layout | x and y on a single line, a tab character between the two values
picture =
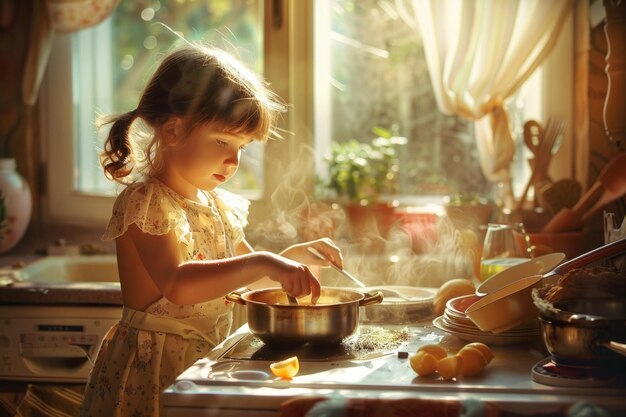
235	379
52	343
53	315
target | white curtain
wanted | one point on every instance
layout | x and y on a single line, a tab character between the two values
479	52
56	16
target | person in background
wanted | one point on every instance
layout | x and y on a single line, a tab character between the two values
180	237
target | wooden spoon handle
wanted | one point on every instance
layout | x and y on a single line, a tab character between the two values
589	198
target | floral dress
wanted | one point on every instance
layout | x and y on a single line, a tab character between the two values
145	352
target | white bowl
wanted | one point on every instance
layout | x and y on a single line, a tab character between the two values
505	308
534	266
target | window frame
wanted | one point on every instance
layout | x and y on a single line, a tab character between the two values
288	66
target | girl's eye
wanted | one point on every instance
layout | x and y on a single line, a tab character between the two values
243	148
221	142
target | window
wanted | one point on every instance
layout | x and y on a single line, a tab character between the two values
111	63
344	66
371	71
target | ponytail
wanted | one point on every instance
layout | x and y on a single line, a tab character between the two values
117	158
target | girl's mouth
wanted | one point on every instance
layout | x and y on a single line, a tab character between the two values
219	177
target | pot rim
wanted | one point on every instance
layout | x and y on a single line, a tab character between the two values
362	299
557	314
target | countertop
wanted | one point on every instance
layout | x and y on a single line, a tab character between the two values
83	293
506	382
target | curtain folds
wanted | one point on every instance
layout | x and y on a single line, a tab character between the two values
479	52
50	17
581	92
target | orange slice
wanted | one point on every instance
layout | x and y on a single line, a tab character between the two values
483	348
423	363
286	369
449	367
435	350
473	361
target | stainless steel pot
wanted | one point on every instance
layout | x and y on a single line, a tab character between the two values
275	321
585	331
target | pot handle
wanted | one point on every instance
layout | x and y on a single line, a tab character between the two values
236	297
614	346
606	251
375	298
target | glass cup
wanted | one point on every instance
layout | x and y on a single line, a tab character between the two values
505	245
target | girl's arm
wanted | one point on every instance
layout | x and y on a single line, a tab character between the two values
299	253
198	281
244	248
325	245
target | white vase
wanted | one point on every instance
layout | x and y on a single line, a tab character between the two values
15	205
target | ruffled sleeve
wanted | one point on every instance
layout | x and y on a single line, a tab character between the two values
235	209
149	207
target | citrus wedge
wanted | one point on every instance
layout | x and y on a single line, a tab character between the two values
286	369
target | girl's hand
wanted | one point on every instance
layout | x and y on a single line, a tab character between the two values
294	278
325	245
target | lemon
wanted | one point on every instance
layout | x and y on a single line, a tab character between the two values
484	349
451	289
423	363
449	367
435	350
473	362
286	369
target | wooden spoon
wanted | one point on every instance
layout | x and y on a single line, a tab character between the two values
614	186
542	143
614	175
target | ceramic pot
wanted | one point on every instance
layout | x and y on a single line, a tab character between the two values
15	205
372	219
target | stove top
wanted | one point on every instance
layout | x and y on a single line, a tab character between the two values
547	371
369	342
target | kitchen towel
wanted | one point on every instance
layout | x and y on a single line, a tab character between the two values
366	407
43	400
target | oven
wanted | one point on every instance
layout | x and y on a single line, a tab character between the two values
52	343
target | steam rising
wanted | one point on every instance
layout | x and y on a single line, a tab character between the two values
414	254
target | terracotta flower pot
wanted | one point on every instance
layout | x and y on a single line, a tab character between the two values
372	220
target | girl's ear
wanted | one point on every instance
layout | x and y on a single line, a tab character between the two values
171	131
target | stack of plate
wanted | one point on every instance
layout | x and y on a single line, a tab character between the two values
456	322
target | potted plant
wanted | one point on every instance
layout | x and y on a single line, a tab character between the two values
468	211
360	174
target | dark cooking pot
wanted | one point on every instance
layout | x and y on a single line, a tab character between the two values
275	321
585	331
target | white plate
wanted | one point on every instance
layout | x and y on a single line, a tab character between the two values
458	305
397	310
536	266
472	328
487	338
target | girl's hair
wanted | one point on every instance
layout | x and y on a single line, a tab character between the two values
201	85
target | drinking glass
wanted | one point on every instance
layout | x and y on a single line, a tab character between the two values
505	245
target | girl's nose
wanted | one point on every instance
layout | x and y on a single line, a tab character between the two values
233	160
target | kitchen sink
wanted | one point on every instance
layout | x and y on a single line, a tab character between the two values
69	269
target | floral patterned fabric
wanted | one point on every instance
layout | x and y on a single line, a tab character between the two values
147	350
72	15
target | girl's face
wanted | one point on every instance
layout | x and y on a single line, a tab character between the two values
207	157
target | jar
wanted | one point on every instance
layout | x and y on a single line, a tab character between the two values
15	205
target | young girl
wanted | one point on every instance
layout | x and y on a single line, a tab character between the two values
179	238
